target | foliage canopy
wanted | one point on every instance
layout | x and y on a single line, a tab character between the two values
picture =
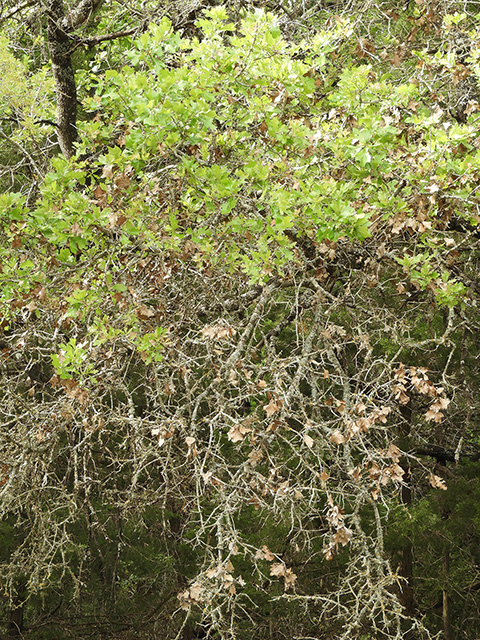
239	348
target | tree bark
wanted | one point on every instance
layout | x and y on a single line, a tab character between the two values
406	565
60	49
407	591
15	618
447	621
60	46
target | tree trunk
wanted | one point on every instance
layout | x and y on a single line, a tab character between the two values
406	565
447	621
407	595
60	49
15	618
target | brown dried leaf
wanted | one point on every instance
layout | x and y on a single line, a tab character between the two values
238	432
374	471
264	554
308	440
337	437
290	578
143	312
396	472
254	457
393	452
107	171
218	332
192	447
122	181
434	414
272	407
437	482
329	552
277	570
342	536
324	476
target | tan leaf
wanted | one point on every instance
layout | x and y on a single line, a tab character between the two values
356	473
277	570
437	482
122	181
218	332
76	229
290	578
272	407
100	195
374	471
107	171
238	432
192	447
364	424
206	476
16	242
399	391
264	554
143	312
193	595
169	388
308	440
195	591
337	437
254	502
254	457
400	373
380	415
393	452
396	472
342	536
329	552
434	414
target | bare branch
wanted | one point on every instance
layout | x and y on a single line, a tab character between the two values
91	42
17	9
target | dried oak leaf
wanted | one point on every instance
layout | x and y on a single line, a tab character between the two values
272	407
337	437
143	312
254	457
437	482
238	432
264	554
308	440
342	536
218	332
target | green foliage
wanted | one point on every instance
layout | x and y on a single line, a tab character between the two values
256	287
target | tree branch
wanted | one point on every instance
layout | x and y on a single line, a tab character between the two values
443	455
17	9
91	42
